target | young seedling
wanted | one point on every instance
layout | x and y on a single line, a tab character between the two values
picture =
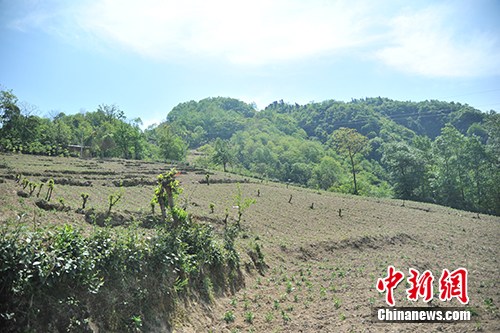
212	207
153	203
85	198
207	178
249	317
113	200
241	204
229	316
50	189
33	187
39	190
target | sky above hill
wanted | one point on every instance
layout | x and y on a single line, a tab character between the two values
147	56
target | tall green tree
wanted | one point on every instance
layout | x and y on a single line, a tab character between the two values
406	167
172	147
222	153
352	145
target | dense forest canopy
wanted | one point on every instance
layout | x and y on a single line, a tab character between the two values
434	151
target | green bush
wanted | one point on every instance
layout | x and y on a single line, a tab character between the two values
60	279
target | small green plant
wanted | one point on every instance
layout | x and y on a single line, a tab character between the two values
286	318
153	203
337	303
85	198
113	200
32	187
208	288
212	207
342	316
136	322
62	201
249	317
322	292
166	192
229	316
25	183
180	285
39	190
269	317
289	287
241	204
50	189
207	178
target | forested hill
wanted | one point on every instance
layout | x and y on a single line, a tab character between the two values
441	152
433	151
369	116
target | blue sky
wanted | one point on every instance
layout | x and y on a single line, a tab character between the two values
147	56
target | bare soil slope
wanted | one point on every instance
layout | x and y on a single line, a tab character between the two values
322	263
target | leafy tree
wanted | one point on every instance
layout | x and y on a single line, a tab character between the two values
353	145
326	173
222	153
172	147
407	168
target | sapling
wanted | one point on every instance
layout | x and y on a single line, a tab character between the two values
25	182
212	206
153	203
113	200
241	204
32	187
207	178
50	189
85	197
39	189
167	189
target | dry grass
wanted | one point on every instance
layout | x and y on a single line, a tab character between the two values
322	267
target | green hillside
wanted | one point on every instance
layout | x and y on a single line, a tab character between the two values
431	151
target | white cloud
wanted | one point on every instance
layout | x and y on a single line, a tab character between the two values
425	41
243	32
428	43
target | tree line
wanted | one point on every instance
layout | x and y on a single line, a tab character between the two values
105	133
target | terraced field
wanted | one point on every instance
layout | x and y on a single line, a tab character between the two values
324	252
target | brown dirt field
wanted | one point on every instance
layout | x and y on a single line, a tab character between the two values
323	268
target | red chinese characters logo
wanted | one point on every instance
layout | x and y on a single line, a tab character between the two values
451	285
454	284
421	285
390	283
